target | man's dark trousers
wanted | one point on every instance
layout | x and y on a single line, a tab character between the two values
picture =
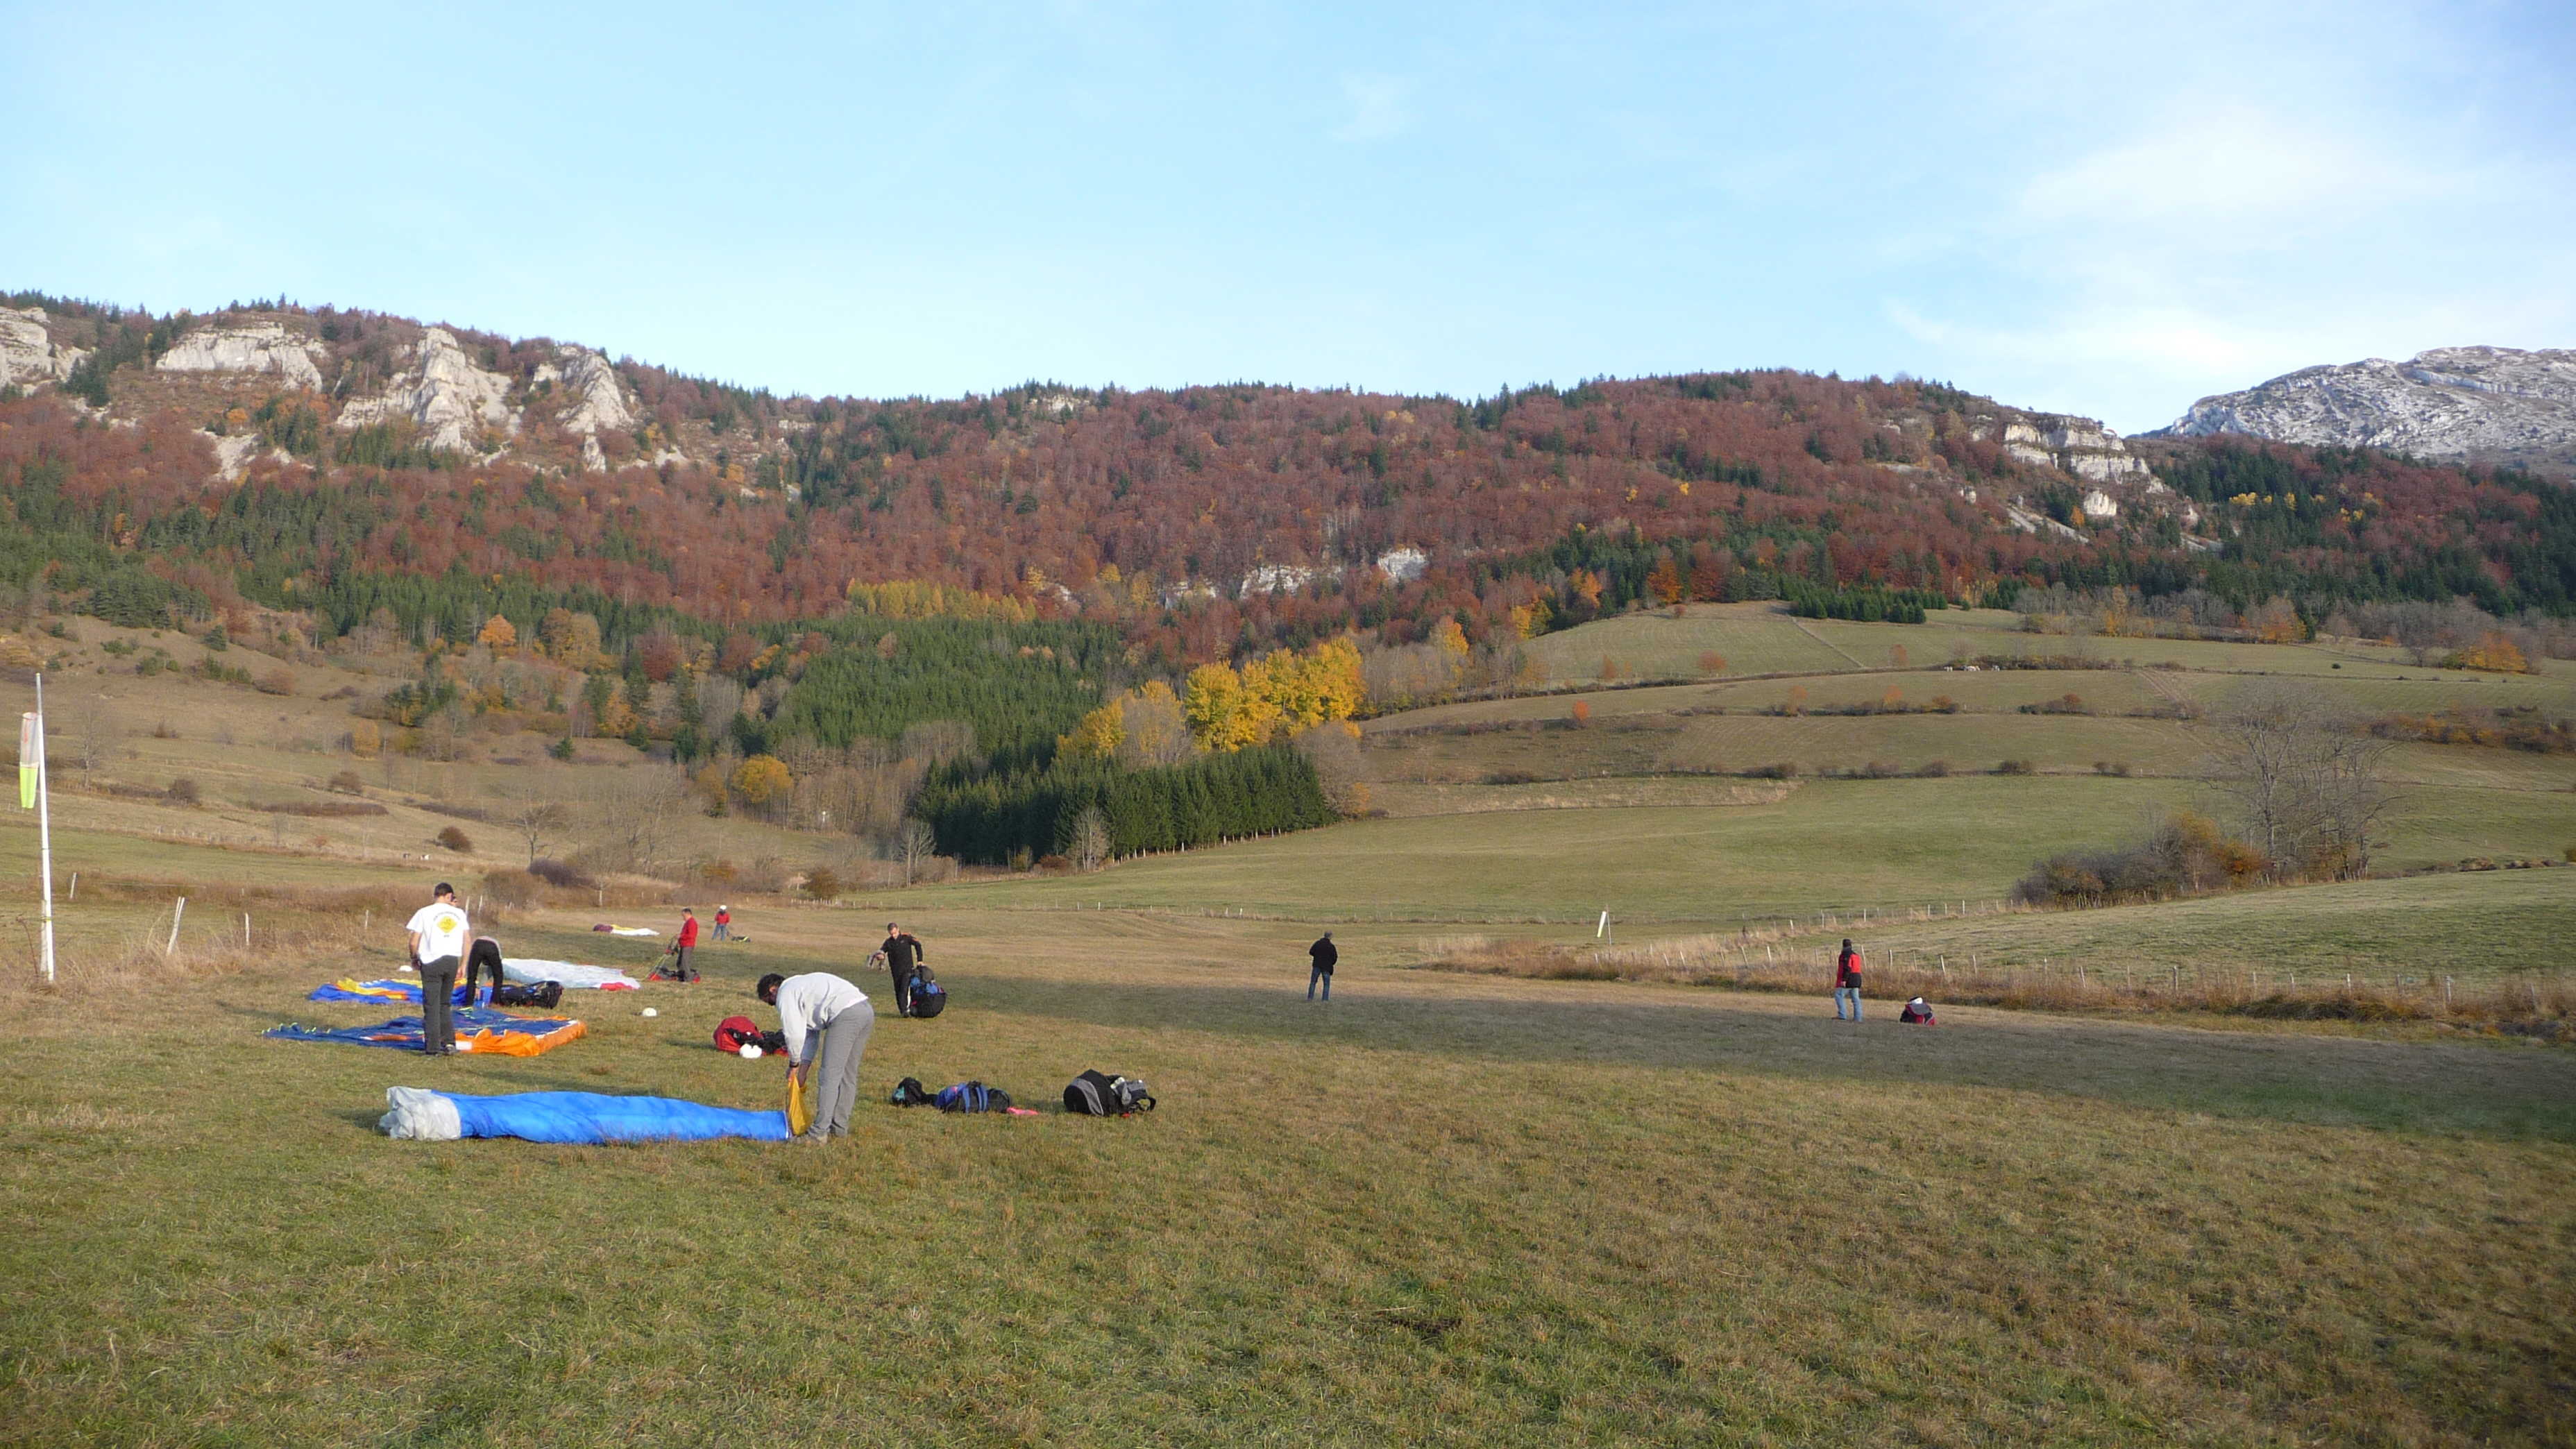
437	1004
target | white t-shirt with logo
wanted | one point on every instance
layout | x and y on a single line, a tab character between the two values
442	929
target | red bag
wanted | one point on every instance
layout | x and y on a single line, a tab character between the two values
735	1032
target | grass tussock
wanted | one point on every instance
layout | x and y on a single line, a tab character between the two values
2541	1008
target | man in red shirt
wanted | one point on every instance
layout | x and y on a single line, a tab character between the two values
685	949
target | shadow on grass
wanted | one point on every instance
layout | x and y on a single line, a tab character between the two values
2481	1091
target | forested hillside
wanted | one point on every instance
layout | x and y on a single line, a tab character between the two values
186	468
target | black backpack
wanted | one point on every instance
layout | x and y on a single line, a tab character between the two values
1097	1094
541	993
911	1093
929	998
971	1097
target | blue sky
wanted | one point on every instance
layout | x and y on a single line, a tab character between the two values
2110	209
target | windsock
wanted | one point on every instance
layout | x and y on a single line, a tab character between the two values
31	752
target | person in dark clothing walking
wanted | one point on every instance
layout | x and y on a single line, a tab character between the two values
903	955
1324	954
1847	982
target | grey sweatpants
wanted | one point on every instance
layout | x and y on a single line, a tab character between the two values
835	1082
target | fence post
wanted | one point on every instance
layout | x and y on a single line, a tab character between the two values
2446	993
245	930
176	912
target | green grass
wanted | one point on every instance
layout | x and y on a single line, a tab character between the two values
1442	1210
1829	845
2477	926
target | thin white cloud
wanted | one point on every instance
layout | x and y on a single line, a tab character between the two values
1377	107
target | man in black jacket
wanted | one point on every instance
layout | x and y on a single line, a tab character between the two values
903	956
1324	956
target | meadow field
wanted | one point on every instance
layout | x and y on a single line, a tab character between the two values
1445	1208
1438	1210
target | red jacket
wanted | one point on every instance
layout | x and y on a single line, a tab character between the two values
1847	969
688	930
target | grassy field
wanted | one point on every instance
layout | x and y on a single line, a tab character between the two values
1758	639
1830	845
2475	927
1703	1218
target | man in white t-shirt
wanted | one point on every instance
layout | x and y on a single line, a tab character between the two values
826	1021
439	932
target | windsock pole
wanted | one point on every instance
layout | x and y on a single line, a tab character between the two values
32	747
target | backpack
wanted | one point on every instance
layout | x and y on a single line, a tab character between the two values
1918	1011
929	998
971	1097
1097	1094
911	1093
541	993
736	1032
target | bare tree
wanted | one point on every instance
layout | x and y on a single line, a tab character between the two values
2308	786
92	732
634	812
533	810
914	844
1086	839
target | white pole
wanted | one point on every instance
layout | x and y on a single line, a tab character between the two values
177	912
45	827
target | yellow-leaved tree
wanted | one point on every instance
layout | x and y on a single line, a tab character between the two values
498	634
1098	734
761	779
1222	713
1278	694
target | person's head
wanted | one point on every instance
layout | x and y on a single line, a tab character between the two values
445	892
1328	935
1846	943
767	990
893	930
688	910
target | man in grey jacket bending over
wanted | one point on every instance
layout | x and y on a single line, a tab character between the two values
826	1021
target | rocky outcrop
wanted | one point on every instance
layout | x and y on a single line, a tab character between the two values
453	401
233	454
28	355
2079	446
1403	565
594	397
2450	402
245	347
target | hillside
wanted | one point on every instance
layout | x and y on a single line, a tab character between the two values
2495	404
311	459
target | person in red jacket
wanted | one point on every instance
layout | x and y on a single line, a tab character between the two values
1847	983
724	922
684	947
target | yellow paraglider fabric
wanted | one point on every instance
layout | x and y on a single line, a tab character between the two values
800	1109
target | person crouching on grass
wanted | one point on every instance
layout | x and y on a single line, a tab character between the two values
438	933
826	1021
1847	982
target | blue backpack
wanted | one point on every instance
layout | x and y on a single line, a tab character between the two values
972	1097
929	998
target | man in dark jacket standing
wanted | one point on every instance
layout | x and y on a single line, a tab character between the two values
1324	955
903	955
1847	982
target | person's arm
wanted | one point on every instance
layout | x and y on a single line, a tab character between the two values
791	1022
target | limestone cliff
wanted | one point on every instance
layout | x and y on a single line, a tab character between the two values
456	404
27	352
249	347
2451	402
